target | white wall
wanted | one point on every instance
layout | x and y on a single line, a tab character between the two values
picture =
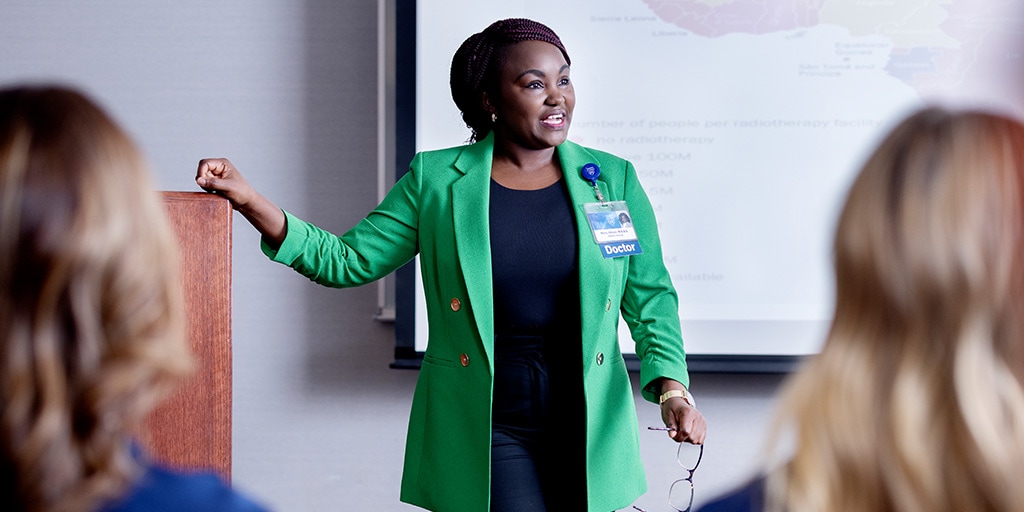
288	91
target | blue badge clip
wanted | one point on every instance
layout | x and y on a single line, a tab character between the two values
591	172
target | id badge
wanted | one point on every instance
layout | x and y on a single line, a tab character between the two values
613	229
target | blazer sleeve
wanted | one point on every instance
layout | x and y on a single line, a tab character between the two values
384	240
650	305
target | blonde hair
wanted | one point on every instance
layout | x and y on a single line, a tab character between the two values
915	402
92	327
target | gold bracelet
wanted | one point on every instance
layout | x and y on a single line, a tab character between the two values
673	393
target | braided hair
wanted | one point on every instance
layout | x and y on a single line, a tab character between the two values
478	61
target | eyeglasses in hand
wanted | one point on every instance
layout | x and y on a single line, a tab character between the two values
680	493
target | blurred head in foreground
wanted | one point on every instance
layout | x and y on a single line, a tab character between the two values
916	400
91	320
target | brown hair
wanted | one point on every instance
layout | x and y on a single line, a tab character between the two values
478	61
92	327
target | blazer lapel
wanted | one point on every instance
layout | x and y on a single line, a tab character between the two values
470	207
470	203
593	267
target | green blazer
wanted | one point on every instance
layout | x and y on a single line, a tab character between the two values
439	210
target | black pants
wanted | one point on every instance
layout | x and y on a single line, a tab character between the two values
538	443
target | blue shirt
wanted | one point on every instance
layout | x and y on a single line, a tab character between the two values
163	490
749	498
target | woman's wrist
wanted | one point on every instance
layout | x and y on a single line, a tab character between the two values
676	393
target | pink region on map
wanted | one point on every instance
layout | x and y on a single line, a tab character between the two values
738	16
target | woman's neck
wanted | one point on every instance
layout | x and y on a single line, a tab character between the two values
525	169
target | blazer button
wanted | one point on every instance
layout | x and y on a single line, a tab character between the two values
456	304
464	359
600	358
608	305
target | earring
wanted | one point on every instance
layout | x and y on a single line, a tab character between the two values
494	117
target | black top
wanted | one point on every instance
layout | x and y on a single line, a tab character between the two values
538	365
534	261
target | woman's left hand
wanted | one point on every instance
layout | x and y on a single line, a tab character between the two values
689	424
680	415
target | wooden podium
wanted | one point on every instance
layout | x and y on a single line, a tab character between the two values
192	428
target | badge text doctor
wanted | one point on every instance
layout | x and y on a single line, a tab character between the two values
609	221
